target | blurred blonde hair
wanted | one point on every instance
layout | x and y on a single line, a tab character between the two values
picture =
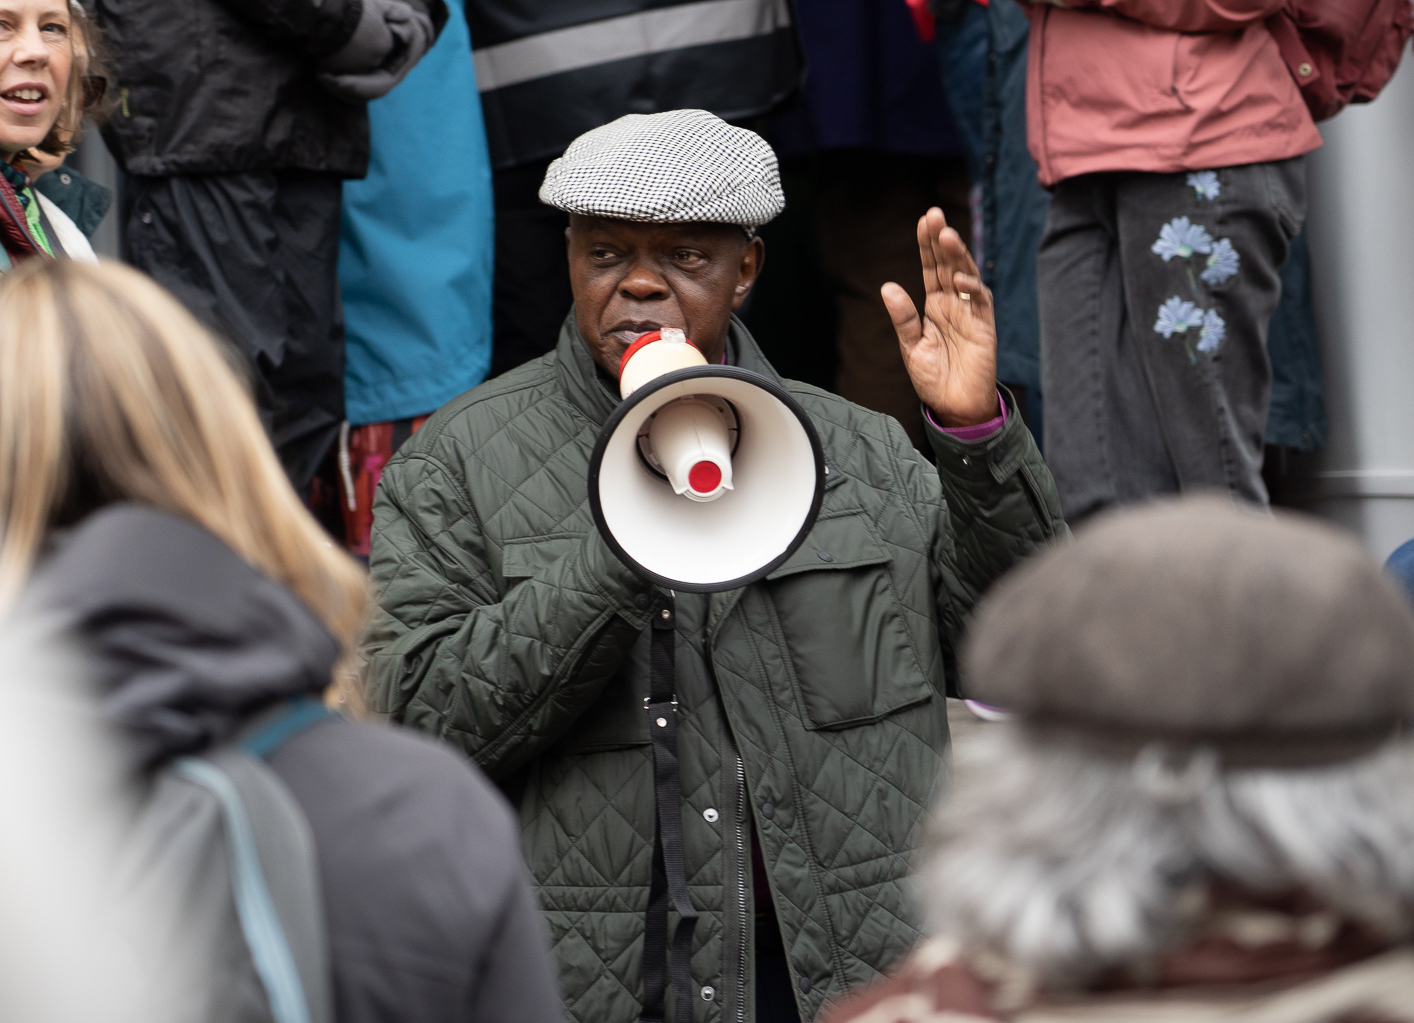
111	391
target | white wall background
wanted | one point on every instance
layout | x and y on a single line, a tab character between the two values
1361	224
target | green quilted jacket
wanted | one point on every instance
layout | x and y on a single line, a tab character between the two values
811	704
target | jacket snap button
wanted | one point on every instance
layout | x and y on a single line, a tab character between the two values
146	218
768	811
65	178
641	601
662	722
666	613
708	993
1304	70
825	555
710	815
805	985
966	460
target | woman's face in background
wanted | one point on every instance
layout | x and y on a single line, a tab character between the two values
35	57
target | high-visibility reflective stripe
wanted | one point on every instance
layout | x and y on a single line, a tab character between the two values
632	35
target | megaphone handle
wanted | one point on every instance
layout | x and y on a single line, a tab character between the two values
669	873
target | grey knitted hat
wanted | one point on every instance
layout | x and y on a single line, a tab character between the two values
675	167
1273	638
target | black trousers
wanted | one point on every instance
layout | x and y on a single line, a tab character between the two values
1156	291
255	257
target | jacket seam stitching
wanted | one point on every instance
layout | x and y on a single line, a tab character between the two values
836	958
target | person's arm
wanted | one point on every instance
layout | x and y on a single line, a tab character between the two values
317	29
1185	15
1000	506
362	47
991	502
502	676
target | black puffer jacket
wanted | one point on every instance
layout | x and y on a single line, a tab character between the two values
226	86
430	912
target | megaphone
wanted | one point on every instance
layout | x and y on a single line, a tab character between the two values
705	478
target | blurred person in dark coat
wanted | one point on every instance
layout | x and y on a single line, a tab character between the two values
237	123
142	508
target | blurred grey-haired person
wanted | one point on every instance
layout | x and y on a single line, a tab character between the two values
1203	806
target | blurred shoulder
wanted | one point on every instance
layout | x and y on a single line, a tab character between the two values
375	776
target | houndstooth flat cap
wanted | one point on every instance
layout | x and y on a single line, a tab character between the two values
675	167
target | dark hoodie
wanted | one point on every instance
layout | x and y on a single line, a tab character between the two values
430	912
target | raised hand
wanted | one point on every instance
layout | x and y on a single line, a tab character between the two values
951	353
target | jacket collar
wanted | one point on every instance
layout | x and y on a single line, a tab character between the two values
592	392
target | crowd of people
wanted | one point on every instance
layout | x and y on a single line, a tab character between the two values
378	725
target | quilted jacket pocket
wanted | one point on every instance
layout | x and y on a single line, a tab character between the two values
843	627
532	556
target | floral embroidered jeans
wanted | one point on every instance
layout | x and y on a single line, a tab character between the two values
1155	295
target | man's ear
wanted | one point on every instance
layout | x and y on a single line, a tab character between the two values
753	259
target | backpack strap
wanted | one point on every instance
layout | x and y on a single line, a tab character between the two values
260	921
273	864
292	718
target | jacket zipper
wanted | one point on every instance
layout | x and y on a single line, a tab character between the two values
743	858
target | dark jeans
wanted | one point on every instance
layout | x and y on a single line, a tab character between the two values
1154	369
255	257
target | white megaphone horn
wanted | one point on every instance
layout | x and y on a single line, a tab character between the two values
705	478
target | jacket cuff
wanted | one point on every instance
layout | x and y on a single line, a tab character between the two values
996	456
979	432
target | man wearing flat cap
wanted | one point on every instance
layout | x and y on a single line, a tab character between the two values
811	718
1202	810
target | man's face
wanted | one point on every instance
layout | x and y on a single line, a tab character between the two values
629	279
